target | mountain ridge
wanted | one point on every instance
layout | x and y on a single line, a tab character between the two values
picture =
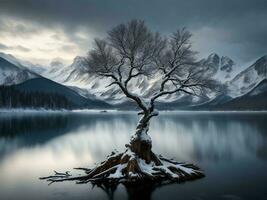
25	80
234	84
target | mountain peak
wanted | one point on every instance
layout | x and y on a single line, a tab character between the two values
214	57
78	63
56	63
226	64
12	74
77	58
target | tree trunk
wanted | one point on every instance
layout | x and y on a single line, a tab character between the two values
141	142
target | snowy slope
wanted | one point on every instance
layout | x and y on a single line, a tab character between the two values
247	90
11	74
10	58
249	78
256	99
39	69
222	68
76	76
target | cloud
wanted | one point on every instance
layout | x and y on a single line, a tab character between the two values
18	47
44	43
237	28
3	47
21	48
17	28
68	48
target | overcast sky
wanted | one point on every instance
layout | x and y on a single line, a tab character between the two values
43	30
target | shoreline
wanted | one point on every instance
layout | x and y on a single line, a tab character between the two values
104	111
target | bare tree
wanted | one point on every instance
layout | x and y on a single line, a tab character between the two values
132	50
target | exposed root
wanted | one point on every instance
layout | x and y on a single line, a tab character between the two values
129	168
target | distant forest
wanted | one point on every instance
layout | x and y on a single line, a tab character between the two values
14	98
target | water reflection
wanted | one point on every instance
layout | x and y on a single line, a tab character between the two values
32	145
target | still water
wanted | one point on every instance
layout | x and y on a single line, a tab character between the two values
230	147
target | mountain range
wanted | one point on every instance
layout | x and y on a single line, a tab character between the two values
25	78
240	90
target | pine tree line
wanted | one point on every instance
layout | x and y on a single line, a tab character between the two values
14	98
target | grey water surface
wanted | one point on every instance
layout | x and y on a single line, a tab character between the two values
231	147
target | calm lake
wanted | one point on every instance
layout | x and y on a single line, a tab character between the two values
230	147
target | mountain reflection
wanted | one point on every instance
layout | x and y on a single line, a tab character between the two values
185	137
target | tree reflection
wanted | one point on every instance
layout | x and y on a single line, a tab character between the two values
141	191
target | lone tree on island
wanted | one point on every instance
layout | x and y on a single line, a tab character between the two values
132	50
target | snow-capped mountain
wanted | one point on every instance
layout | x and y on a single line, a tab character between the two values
246	80
247	90
39	69
76	76
13	74
221	68
10	58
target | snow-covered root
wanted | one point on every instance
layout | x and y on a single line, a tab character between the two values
128	168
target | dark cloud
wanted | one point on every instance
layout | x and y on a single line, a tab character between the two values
238	27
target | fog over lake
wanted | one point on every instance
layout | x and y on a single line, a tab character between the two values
231	147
